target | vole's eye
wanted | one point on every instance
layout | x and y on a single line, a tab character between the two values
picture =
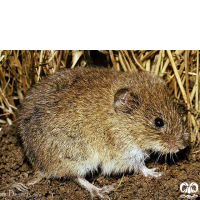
159	122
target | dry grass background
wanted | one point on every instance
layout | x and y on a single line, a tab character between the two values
20	69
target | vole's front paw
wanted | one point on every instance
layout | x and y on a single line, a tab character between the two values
38	176
102	192
150	172
95	191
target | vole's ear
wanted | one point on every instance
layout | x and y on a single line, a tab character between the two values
125	100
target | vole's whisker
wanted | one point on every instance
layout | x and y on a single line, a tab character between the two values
165	158
153	152
171	158
160	155
176	155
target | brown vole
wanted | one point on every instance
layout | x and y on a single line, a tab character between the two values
75	121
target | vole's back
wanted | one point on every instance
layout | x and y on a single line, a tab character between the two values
62	114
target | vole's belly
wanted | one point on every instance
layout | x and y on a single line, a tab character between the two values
130	159
133	158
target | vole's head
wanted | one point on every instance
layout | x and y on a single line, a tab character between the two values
155	123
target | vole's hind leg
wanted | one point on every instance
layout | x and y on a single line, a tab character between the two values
38	176
19	186
101	192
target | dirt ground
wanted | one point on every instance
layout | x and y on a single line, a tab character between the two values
14	167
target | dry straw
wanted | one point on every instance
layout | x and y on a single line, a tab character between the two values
19	70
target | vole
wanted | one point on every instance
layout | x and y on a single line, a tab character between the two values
76	121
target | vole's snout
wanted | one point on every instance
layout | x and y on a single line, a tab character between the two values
177	148
178	143
186	139
181	148
183	144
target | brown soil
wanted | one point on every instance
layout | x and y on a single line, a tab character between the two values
15	168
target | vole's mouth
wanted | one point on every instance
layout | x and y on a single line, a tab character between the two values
170	157
167	150
177	151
